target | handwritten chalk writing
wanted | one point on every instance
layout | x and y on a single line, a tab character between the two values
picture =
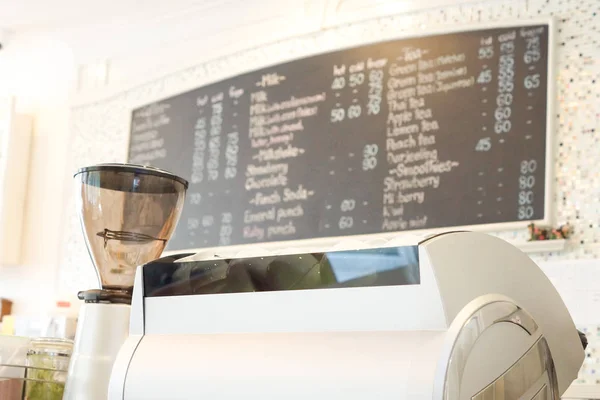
339	70
376	64
226	229
400	118
193	223
260	131
260	216
195	198
425	168
281	230
375	91
413	54
151	110
399	83
279	153
404	69
263	183
417	222
292	212
425	89
416	103
235	93
426	140
277	118
214	142
403	130
400	144
389	198
140	137
394	185
271	79
217	98
450	73
524	33
451	59
401	94
394	225
253	232
356	79
279	139
298	194
396	106
358	67
424	65
423	113
389	211
412	156
200	135
231	155
505	37
145	146
415	197
261	199
440	61
426	78
258	97
254	170
150	123
338	83
427	126
292	102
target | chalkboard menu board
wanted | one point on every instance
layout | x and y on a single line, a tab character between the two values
438	131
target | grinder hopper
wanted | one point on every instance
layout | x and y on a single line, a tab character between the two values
127	213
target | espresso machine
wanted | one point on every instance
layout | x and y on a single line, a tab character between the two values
127	214
457	316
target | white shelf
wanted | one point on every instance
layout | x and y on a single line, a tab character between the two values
540	246
586	392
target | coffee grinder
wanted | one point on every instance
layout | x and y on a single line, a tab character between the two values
127	214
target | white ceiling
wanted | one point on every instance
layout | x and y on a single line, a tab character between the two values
27	15
108	28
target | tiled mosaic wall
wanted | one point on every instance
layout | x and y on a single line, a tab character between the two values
590	371
100	133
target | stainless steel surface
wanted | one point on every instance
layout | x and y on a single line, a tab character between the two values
482	319
127	213
531	377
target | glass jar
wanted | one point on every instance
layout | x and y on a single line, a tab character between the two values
47	367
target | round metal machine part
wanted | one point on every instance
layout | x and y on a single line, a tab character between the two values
500	344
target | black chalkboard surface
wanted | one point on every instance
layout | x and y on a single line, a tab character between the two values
438	131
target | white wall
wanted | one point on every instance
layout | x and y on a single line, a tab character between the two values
40	73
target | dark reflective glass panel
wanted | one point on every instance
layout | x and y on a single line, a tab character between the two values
391	266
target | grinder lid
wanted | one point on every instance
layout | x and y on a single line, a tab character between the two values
132	168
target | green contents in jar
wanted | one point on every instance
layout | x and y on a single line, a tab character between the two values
42	383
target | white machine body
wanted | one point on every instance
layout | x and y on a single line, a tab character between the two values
101	330
483	322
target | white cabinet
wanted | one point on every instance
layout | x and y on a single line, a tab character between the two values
15	139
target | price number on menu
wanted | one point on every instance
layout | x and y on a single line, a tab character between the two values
532	52
532	81
339	114
370	157
346	222
375	91
526	185
504	99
